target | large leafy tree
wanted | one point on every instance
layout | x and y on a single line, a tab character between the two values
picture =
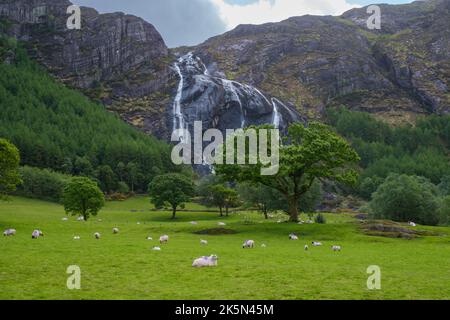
174	189
406	198
309	153
9	165
82	196
267	200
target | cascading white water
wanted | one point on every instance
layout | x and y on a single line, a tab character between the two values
194	65
291	113
178	119
276	119
229	86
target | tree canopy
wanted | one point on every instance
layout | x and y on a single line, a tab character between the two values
174	189
309	153
82	196
406	198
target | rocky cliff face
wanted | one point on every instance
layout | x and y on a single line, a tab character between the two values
270	73
116	58
313	62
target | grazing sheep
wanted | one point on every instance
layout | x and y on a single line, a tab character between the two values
205	262
293	236
194	223
156	249
115	230
138	223
164	239
412	224
76	238
203	242
97	235
149	238
36	234
222	224
306	247
336	248
65	219
317	244
9	232
310	222
248	244
81	218
263	245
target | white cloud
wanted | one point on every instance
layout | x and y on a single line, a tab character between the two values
264	11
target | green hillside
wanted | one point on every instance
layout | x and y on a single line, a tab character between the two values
58	128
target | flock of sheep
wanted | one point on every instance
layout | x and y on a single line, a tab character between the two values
206	261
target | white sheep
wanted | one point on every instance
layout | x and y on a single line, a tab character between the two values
164	239
194	223
306	247
65	219
76	238
9	232
317	244
80	218
205	262
221	224
115	230
156	249
293	236
263	245
412	224
36	234
138	223
97	235
310	222
248	244
336	248
149	238
203	242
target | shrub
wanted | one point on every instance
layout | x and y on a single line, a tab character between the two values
122	187
406	198
42	184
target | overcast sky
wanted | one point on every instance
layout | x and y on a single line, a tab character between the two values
190	22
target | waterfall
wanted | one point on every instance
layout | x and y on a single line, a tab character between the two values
276	115
229	87
178	119
289	110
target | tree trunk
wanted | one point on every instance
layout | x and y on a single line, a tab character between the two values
293	209
221	211
226	211
266	215
174	211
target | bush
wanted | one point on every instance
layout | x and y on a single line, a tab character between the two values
122	187
42	184
320	218
406	198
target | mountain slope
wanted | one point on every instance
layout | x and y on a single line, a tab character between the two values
55	127
313	61
309	63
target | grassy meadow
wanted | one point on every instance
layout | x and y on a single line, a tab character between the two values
123	266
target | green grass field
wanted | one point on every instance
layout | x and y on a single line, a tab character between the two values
123	266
